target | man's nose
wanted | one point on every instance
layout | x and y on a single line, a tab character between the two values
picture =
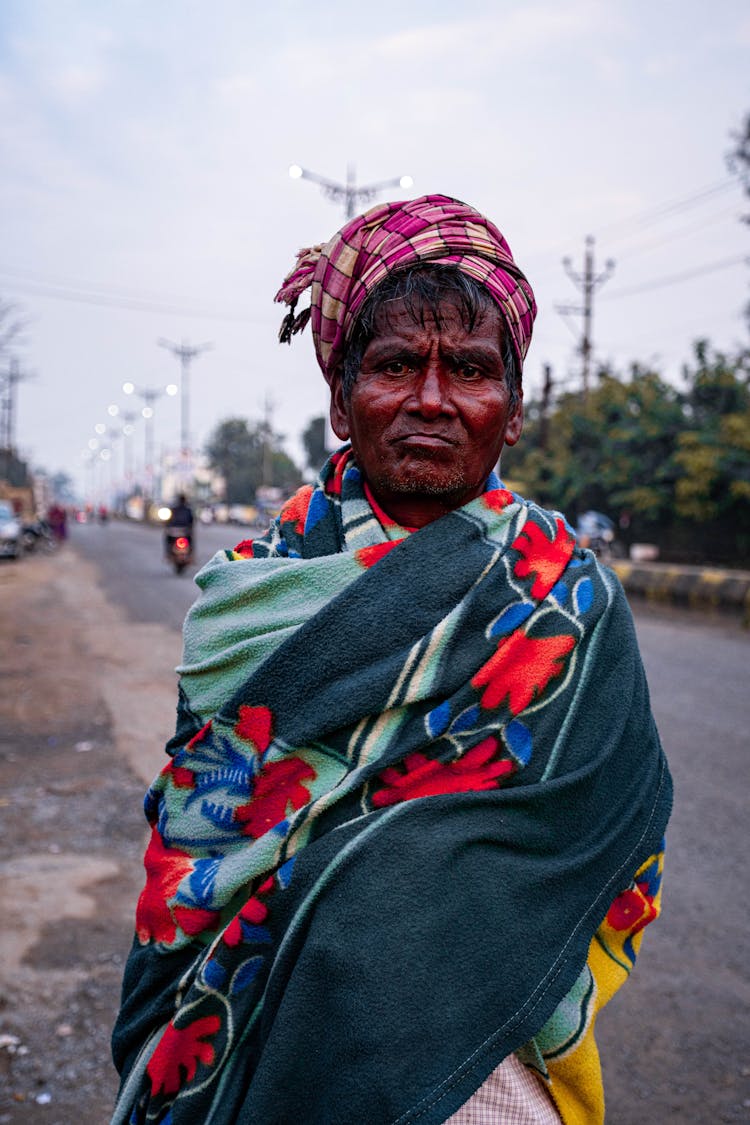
432	391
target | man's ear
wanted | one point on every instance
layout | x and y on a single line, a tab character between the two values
514	424
338	414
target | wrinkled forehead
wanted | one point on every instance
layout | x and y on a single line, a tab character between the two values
402	314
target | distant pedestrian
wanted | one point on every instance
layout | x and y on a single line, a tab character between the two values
57	518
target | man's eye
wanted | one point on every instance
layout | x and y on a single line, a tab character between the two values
396	367
468	372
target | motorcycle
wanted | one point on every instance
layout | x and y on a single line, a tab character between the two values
38	536
179	542
597	532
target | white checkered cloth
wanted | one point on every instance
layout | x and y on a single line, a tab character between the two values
512	1095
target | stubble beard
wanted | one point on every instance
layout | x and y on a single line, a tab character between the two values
426	479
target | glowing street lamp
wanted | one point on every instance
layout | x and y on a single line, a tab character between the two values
350	194
150	396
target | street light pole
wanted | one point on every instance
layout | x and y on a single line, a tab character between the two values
350	194
186	354
149	395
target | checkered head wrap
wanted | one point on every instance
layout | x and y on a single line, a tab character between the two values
394	236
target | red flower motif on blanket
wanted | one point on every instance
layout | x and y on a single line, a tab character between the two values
295	509
244	549
200	736
254	911
339	461
497	499
193	920
420	776
275	787
254	725
178	1052
368	556
632	909
543	558
182	778
165	870
521	669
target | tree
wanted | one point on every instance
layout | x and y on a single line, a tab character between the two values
611	452
738	159
10	326
250	456
676	460
713	452
314	441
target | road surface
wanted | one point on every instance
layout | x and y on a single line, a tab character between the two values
681	1026
89	702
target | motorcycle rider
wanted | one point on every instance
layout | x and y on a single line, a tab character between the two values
180	523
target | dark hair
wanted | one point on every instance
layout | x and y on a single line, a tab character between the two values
424	288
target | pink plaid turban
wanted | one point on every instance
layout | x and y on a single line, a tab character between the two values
393	236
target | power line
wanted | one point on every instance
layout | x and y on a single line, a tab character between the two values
674	279
680	232
651	215
134	305
674	206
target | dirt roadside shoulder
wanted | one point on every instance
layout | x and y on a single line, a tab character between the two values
86	706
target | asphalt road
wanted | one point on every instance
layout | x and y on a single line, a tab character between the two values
675	1040
133	570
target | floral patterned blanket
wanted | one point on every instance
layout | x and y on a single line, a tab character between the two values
411	773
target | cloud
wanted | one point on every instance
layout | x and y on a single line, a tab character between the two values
518	33
77	82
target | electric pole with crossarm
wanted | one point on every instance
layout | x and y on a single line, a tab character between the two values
587	282
186	353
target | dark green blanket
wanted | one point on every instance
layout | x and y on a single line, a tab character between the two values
410	774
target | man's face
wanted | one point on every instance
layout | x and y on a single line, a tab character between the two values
429	412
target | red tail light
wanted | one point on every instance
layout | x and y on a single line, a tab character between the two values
181	543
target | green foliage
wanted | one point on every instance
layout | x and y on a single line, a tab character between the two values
713	455
675	461
739	157
249	456
314	441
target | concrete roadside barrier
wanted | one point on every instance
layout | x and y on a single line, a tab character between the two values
699	586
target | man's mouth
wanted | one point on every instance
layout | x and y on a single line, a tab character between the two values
425	440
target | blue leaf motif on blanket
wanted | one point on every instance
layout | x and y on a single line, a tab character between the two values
229	770
246	974
519	741
466	721
317	510
438	719
583	595
511	617
202	881
560	592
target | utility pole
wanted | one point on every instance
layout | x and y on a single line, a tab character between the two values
587	282
13	376
267	433
186	354
350	194
544	409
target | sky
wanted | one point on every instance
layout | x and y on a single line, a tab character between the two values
145	192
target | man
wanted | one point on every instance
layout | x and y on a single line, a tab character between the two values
411	829
180	523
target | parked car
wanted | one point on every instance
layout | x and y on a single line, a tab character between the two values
11	543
